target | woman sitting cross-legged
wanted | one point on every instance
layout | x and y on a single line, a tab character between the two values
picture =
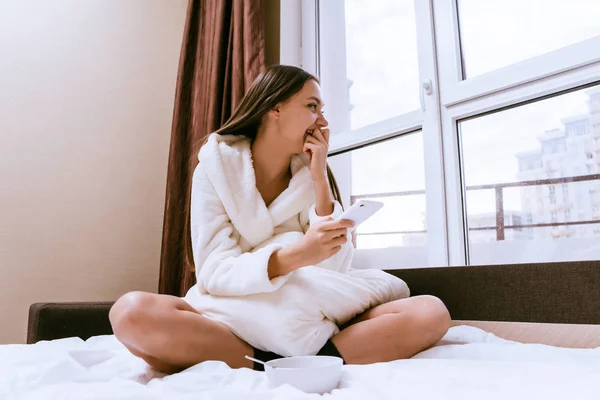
272	260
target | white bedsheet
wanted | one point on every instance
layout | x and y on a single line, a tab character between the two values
468	364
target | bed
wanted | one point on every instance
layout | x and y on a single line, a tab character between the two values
523	331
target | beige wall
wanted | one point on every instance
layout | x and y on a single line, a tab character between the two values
86	101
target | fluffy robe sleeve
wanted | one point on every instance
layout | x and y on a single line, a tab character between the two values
222	268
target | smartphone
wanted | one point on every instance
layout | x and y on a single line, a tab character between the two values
361	211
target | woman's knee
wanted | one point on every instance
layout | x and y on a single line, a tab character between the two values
132	312
432	314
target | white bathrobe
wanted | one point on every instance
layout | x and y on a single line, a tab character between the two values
233	236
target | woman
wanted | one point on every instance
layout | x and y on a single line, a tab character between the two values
281	123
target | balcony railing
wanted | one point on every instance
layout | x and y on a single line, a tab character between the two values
498	188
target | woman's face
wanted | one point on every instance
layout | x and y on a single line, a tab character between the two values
300	115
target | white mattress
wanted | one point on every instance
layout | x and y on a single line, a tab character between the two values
467	364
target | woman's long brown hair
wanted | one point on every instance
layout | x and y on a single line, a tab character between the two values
275	85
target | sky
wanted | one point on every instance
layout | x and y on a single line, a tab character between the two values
382	63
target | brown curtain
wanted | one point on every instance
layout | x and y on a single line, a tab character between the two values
222	53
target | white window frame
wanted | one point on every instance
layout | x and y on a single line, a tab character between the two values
452	100
426	119
456	90
290	33
532	79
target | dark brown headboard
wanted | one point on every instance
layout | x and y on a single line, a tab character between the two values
554	293
566	292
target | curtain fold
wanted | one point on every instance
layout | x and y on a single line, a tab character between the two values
223	51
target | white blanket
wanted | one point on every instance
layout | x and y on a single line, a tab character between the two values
233	236
467	364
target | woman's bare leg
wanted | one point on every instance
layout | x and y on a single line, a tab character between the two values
395	330
170	335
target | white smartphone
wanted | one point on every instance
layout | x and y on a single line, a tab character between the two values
361	211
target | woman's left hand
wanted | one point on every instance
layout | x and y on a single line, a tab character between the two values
316	148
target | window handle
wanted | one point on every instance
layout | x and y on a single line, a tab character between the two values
426	88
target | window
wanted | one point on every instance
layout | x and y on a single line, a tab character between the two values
493	32
382	84
517	221
528	164
497	120
552	194
577	126
553	146
562	146
492	147
391	172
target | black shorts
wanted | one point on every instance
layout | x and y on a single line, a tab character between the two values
328	350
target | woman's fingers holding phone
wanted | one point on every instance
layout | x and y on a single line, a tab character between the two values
334	250
326	236
339	240
337	224
321	240
335	233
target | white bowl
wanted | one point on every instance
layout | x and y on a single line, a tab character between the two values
311	374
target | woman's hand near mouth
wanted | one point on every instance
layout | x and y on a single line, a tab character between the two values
316	147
